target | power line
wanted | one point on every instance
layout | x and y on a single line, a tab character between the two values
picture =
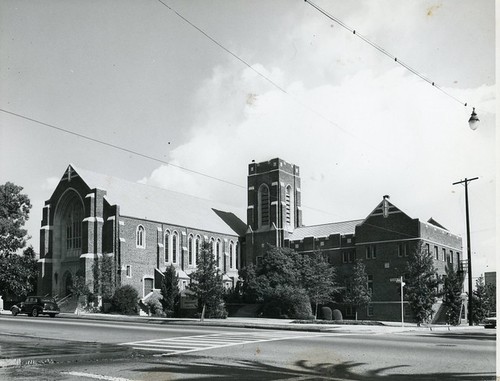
138	154
284	91
119	148
383	51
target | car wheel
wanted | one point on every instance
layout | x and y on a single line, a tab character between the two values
15	311
34	312
52	315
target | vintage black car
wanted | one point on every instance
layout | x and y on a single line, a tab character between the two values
36	305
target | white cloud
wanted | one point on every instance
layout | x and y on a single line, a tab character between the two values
50	183
377	134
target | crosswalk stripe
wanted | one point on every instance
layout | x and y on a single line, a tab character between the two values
187	344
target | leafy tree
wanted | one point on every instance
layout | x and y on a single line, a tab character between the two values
18	275
280	284
491	294
104	271
359	293
452	292
206	284
318	280
170	291
247	284
14	212
281	266
421	283
481	301
80	287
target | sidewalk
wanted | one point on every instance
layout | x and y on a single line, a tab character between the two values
266	323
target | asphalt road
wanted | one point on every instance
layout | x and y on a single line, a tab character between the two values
119	351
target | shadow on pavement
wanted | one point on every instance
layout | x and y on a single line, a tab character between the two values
491	336
255	370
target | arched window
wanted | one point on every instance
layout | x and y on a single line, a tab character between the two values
212	245
140	237
191	244
231	254
166	246
175	246
197	247
237	255
218	245
73	220
264	209
289	207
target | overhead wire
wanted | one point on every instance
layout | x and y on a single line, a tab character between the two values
383	51
137	153
119	147
265	77
244	62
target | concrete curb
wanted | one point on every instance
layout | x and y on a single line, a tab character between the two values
266	324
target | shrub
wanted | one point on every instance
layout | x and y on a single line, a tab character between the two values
326	313
287	302
337	315
124	300
154	305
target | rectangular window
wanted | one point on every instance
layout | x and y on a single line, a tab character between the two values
370	283
427	248
352	256
406	249
345	256
368	252
369	310
128	271
374	251
400	250
259	260
444	254
436	252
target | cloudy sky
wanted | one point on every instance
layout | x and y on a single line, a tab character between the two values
294	85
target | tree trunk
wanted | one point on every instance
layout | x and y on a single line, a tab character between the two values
203	312
356	314
316	312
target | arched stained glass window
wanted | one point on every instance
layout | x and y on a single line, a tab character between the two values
166	246
191	244
264	207
289	207
175	246
140	236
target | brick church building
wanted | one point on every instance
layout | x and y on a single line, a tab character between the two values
145	229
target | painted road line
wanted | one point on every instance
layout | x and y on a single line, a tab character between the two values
96	376
187	344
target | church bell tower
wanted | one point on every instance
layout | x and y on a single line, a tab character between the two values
274	209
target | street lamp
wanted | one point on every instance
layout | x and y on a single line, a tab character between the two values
473	120
469	259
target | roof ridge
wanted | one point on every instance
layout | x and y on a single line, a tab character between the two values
330	223
146	185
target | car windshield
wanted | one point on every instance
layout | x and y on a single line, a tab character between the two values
48	300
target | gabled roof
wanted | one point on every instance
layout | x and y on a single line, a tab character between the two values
161	205
432	221
324	230
391	209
